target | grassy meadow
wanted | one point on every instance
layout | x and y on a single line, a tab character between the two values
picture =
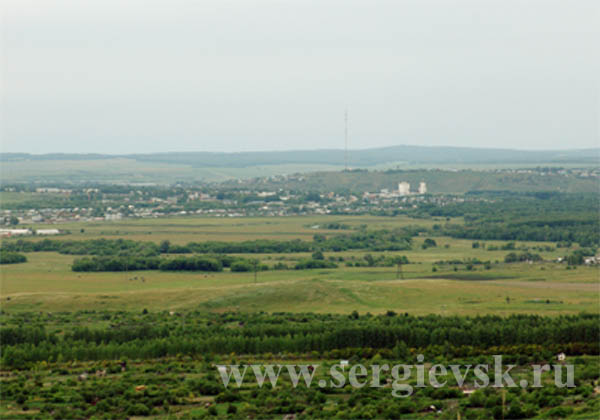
184	229
46	282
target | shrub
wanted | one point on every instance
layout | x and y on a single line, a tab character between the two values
242	266
11	257
310	264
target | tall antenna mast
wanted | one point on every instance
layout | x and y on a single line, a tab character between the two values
346	138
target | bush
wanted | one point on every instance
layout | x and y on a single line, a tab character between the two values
318	255
280	266
11	257
310	264
429	243
242	266
138	409
560	412
191	264
524	256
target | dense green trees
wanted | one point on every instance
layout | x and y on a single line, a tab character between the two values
555	217
88	247
115	263
157	335
581	229
122	364
377	240
191	264
252	265
313	263
127	263
7	257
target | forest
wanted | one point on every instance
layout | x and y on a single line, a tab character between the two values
29	337
544	216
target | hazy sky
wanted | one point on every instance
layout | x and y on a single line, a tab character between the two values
123	76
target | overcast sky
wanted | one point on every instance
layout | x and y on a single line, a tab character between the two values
123	76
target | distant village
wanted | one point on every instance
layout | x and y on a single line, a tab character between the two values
31	209
142	204
99	205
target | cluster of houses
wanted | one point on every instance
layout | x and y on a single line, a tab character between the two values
114	206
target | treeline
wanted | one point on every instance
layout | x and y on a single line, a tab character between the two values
27	338
542	216
377	240
87	247
132	263
523	256
582	229
259	246
7	257
214	263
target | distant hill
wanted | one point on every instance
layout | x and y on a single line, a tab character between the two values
357	158
169	168
438	181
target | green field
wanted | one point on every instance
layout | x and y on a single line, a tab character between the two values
181	230
47	283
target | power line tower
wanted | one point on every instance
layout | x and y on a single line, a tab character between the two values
346	138
399	274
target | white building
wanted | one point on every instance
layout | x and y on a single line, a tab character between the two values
14	232
47	232
404	188
422	188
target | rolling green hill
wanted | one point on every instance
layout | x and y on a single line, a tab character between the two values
357	158
438	181
168	168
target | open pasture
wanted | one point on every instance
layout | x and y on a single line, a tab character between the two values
184	229
46	283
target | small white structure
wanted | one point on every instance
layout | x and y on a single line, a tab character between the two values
51	190
47	232
343	363
403	188
14	232
264	194
561	357
422	188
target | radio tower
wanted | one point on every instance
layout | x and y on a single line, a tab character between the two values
346	138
